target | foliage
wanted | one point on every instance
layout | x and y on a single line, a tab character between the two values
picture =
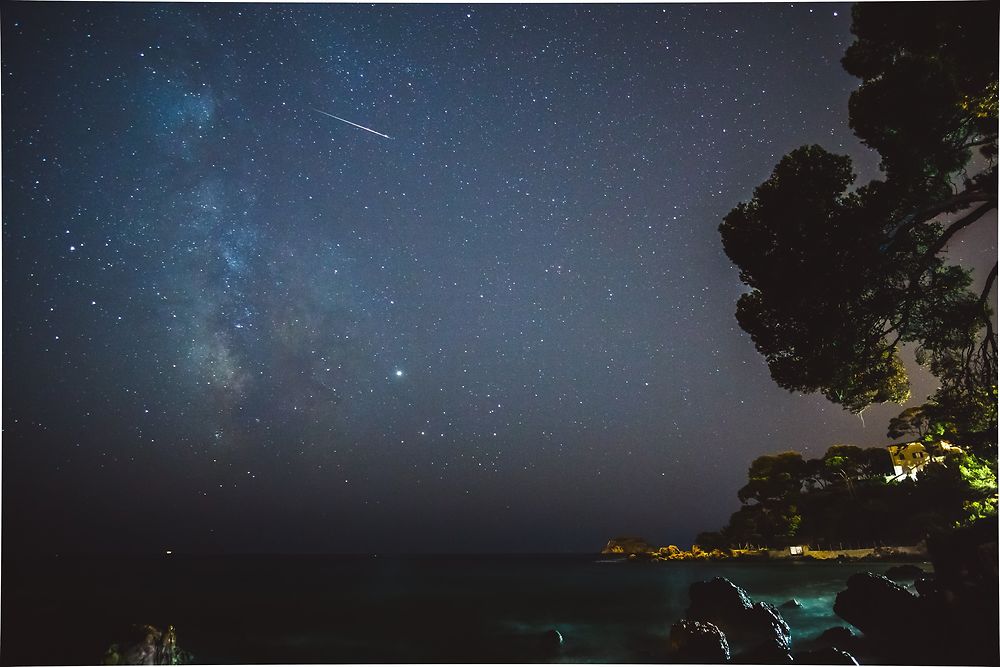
844	497
929	89
916	422
980	478
812	312
844	463
711	540
842	277
773	478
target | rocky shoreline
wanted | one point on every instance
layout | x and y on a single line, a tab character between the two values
952	620
637	549
724	624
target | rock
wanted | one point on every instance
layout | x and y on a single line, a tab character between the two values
753	626
967	557
837	637
844	639
147	645
964	605
671	552
697	641
718	597
826	656
880	608
551	640
791	604
764	654
906	572
765	622
627	545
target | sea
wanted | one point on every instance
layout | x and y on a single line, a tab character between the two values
387	609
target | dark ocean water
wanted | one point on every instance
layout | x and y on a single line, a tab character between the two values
274	609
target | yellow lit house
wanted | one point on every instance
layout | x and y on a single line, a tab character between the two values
908	458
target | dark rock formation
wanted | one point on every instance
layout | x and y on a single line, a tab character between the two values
826	656
904	572
967	557
880	608
791	604
718	597
627	545
763	654
884	611
754	627
146	645
963	596
551	641
956	610
837	637
696	641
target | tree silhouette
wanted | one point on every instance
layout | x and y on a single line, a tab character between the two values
841	278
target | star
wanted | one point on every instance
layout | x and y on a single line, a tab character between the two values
538	254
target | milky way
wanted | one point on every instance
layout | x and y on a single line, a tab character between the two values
231	323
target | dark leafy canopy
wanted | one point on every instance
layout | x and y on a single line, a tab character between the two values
845	497
811	254
841	277
773	477
916	422
929	88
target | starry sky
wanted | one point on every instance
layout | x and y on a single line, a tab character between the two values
499	319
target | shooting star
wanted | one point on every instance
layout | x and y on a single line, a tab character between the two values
343	120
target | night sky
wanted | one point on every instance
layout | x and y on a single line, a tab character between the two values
500	321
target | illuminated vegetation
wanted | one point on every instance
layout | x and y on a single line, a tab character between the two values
844	497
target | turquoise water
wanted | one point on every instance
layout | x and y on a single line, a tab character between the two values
630	606
363	609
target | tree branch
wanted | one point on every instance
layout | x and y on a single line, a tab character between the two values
988	349
990	279
953	229
928	256
961	200
981	142
984	352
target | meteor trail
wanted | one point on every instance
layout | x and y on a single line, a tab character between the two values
342	120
